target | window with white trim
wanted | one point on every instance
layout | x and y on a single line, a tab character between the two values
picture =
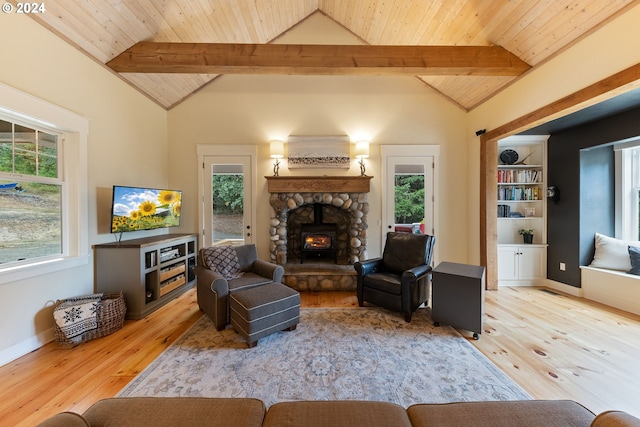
628	190
43	179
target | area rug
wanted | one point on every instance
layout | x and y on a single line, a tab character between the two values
358	353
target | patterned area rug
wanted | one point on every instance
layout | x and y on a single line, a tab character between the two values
363	353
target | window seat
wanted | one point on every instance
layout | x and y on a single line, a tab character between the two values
611	287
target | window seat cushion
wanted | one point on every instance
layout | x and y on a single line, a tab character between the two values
611	253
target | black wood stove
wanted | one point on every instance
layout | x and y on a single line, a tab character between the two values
318	239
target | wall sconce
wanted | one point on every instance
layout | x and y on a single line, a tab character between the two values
553	193
276	148
362	152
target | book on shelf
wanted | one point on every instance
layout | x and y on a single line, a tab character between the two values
504	211
513	176
521	193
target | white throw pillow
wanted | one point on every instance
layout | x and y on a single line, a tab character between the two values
612	253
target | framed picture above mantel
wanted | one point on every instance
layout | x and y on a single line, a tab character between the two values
314	152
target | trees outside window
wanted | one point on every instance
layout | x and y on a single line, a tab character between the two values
228	194
409	199
228	206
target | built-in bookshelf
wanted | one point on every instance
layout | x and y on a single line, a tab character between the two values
521	205
522	189
150	271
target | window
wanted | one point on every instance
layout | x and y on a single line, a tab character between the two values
30	194
409	194
43	190
628	190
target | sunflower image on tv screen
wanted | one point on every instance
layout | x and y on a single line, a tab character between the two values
135	209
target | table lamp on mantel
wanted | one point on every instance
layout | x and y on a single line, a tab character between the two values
276	148
362	152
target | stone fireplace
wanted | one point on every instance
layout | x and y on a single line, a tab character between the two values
295	201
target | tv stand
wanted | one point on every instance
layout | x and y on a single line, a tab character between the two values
150	271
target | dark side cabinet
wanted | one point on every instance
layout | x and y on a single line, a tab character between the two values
150	271
458	296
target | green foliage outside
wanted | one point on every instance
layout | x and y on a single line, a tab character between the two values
409	198
24	160
228	194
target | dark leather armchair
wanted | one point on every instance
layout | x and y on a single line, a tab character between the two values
399	280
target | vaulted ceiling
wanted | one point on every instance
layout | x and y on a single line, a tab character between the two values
526	31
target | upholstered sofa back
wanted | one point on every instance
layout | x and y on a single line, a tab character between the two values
245	412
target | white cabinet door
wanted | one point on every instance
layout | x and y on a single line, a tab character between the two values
521	265
531	263
507	263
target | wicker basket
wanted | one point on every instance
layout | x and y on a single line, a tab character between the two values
110	317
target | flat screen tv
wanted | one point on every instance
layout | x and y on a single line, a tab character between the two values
135	209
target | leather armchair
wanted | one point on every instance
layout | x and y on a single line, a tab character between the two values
400	279
213	288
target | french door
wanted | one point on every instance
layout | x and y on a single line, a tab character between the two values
409	190
228	215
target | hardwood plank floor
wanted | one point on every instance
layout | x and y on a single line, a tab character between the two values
555	346
562	347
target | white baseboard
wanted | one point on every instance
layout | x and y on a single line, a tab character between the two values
526	282
563	287
27	346
547	283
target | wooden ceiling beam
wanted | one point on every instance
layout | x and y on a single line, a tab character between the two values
227	58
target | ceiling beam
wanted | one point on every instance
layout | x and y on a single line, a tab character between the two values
607	88
226	58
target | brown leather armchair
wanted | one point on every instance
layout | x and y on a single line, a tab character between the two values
400	279
213	288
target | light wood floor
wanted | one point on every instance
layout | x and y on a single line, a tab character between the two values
555	346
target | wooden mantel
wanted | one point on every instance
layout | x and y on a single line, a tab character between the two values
315	184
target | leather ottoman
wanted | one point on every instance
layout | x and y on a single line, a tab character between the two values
262	310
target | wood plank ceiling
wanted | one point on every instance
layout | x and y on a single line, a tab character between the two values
533	31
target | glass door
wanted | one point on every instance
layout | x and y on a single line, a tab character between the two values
227	192
409	189
409	208
409	201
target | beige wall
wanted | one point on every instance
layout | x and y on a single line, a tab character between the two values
386	110
127	145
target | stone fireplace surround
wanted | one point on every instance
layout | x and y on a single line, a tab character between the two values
347	194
